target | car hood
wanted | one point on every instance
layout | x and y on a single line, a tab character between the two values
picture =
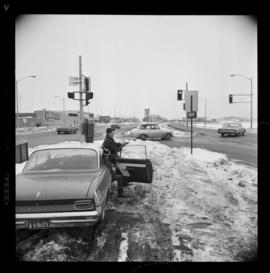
53	186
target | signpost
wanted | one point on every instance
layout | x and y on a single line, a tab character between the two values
192	114
74	81
191	108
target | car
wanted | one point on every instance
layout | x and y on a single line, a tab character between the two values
231	128
115	126
151	131
67	130
68	186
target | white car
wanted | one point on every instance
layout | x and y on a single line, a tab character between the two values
151	131
232	128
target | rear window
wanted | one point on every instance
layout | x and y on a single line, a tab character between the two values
62	160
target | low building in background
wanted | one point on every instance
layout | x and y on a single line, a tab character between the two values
51	118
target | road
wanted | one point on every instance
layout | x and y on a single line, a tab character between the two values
36	139
243	149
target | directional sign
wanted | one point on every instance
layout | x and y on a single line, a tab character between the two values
192	114
194	95
74	81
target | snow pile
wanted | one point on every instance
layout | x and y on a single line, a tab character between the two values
30	130
204	196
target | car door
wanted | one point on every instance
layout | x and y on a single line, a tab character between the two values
136	170
135	167
156	131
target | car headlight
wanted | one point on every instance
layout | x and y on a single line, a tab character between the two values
84	205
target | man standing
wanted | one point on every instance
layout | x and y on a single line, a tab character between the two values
109	155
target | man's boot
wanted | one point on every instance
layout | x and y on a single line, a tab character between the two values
120	192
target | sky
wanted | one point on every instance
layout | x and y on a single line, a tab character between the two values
137	62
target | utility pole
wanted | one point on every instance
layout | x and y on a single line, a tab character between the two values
251	94
205	112
81	99
186	116
191	129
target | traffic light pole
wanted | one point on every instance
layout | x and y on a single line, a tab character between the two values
186	116
191	108
81	100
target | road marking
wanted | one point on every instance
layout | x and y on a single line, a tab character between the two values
123	248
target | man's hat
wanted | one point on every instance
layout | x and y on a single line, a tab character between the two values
109	130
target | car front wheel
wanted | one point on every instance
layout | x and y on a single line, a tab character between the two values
168	136
143	137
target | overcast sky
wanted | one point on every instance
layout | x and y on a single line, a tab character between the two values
137	62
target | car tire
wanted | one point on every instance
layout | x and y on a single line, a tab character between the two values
103	213
168	136
58	133
143	137
222	135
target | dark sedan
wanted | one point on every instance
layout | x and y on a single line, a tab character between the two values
66	186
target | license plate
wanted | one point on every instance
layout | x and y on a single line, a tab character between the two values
38	224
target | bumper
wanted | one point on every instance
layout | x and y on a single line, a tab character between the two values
59	219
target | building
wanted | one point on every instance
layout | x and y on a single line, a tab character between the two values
51	118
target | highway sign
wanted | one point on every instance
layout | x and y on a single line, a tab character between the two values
192	114
194	95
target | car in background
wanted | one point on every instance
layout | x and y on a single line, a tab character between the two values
231	128
151	131
67	130
66	185
115	126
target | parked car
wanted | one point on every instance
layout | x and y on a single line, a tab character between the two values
115	126
151	131
67	130
66	186
232	128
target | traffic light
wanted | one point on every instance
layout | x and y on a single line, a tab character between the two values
184	106
71	95
230	98
88	96
179	94
86	82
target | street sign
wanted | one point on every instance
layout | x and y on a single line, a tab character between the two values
73	81
194	95
192	114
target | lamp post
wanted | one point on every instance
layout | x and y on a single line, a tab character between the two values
17	95
250	79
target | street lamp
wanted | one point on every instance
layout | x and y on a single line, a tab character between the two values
250	79
63	101
17	94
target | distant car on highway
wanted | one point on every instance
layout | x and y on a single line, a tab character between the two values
66	186
115	126
151	131
232	128
67	130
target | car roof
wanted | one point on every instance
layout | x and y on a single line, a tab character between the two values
70	144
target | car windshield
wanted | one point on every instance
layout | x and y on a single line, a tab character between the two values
62	160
